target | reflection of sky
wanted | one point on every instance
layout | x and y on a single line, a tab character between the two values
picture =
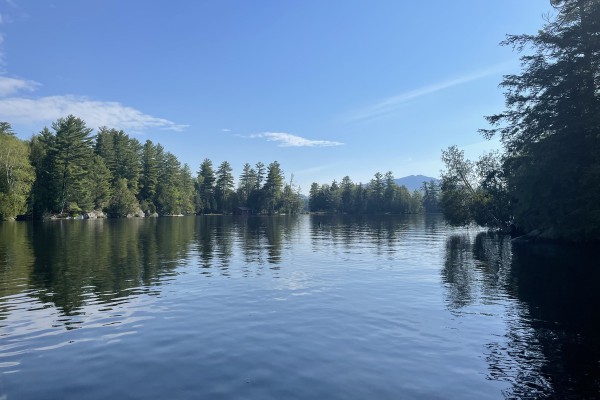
376	298
33	326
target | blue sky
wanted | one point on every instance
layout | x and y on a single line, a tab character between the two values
327	88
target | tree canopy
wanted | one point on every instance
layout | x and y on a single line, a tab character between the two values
549	173
68	171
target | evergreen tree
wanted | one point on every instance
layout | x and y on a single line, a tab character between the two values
260	175
148	182
41	199
100	179
256	199
247	183
187	191
314	199
6	129
121	155
431	196
123	202
70	154
347	195
376	192
224	187
273	187
206	187
550	129
169	191
391	195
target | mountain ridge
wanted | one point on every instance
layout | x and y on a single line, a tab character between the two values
414	182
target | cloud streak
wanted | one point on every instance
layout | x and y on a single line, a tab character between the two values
289	140
10	86
94	113
391	104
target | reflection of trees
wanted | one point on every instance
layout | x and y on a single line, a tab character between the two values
274	235
552	343
204	234
475	269
16	259
260	239
81	261
223	235
458	271
348	231
559	288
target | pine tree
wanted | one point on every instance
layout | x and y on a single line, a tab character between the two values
550	129
224	187
206	187
247	184
273	187
100	179
70	154
169	186
148	182
187	191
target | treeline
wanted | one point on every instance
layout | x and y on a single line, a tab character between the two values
546	181
67	171
380	195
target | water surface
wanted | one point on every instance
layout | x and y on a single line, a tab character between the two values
292	308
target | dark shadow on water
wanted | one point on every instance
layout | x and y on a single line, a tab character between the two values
551	348
78	262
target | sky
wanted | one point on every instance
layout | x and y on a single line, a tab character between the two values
326	88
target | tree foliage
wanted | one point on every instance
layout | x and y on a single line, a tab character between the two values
551	127
16	174
382	195
474	192
548	177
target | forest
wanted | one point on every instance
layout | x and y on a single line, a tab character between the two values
545	182
380	195
67	172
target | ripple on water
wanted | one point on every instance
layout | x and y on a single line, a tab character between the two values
335	307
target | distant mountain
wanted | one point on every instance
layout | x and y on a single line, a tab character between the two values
413	182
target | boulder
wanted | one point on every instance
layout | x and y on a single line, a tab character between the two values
90	215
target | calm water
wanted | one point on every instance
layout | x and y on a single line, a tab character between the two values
312	307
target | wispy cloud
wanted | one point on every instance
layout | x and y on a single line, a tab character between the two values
225	130
10	86
314	170
390	104
289	140
94	113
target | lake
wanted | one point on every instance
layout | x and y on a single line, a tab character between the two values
306	307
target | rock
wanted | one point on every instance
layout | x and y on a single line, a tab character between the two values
139	213
90	215
153	215
48	217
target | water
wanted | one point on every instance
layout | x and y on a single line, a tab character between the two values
308	307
